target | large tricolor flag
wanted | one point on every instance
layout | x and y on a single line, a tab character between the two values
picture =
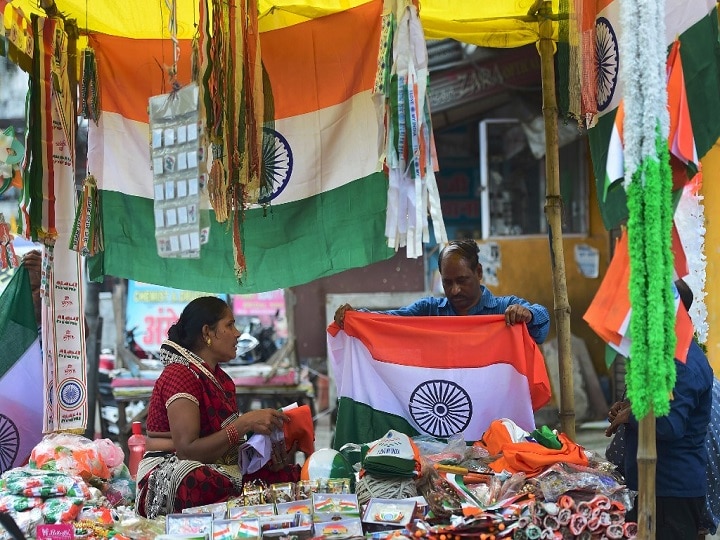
436	376
21	374
328	214
695	61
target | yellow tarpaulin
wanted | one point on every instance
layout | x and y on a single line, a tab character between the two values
496	23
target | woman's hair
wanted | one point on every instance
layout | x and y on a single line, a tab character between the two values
187	331
466	249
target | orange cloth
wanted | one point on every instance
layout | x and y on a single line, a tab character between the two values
533	458
300	429
495	437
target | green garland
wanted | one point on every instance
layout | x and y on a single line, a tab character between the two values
651	369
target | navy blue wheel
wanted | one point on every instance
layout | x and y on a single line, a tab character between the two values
277	165
440	408
9	443
608	62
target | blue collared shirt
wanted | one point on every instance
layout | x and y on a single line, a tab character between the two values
489	304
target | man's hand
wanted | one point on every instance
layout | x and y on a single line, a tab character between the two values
340	314
515	313
618	414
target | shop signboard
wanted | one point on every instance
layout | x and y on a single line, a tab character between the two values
152	309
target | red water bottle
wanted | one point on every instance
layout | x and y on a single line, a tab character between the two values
136	446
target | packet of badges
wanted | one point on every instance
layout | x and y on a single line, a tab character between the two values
254	511
218	510
334	506
343	528
294	507
231	529
286	525
192	524
393	512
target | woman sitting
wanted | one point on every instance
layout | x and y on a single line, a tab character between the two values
193	426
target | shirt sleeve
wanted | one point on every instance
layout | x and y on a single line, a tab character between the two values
539	327
179	381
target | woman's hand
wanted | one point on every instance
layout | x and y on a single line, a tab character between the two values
262	421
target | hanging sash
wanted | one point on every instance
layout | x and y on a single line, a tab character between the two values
63	329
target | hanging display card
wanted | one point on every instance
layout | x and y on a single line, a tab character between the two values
175	154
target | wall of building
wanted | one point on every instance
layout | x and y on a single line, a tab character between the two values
711	193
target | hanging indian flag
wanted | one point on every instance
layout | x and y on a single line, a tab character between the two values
326	213
696	60
436	376
21	394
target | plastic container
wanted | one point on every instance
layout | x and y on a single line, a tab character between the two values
136	447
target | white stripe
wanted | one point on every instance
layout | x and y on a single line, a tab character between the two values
331	148
388	387
679	16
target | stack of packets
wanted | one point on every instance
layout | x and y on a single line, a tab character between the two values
336	515
277	511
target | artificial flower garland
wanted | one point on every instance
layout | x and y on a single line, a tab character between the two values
648	183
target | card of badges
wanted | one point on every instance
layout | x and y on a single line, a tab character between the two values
344	528
294	507
176	156
231	529
330	506
218	510
189	524
253	511
394	512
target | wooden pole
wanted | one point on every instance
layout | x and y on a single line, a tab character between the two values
646	460
553	212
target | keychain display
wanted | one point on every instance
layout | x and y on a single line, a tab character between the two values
175	156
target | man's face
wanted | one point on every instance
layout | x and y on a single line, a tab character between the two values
460	283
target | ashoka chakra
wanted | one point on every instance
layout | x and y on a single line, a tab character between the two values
9	443
440	408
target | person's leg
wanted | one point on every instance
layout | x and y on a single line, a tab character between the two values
678	518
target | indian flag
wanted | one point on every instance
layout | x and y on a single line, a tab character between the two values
436	376
329	215
695	25
21	374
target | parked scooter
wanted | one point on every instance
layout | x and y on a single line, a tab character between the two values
257	343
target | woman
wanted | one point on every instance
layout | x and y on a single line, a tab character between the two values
193	425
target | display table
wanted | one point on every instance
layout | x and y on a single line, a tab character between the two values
252	391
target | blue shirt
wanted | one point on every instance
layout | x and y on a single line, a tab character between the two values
489	304
712	445
680	436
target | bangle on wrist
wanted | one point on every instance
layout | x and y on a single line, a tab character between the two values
232	435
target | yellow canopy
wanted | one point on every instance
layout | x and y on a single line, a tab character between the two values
497	23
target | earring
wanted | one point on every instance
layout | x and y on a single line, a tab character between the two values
208	341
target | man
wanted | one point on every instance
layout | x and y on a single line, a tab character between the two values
680	480
462	275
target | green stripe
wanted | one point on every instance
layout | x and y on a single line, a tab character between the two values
18	327
359	423
700	53
614	208
293	243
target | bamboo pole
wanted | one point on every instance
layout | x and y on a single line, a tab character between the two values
553	212
646	460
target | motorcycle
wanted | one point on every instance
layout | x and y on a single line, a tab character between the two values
257	343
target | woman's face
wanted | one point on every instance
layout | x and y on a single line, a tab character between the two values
224	338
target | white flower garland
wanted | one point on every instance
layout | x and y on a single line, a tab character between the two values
690	223
642	52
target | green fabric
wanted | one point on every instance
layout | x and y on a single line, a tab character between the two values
283	247
650	373
359	423
546	437
700	53
18	327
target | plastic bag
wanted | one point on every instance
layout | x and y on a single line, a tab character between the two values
435	450
72	454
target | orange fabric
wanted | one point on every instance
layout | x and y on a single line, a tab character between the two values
495	437
300	429
533	458
611	304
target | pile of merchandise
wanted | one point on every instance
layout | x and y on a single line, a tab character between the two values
512	484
